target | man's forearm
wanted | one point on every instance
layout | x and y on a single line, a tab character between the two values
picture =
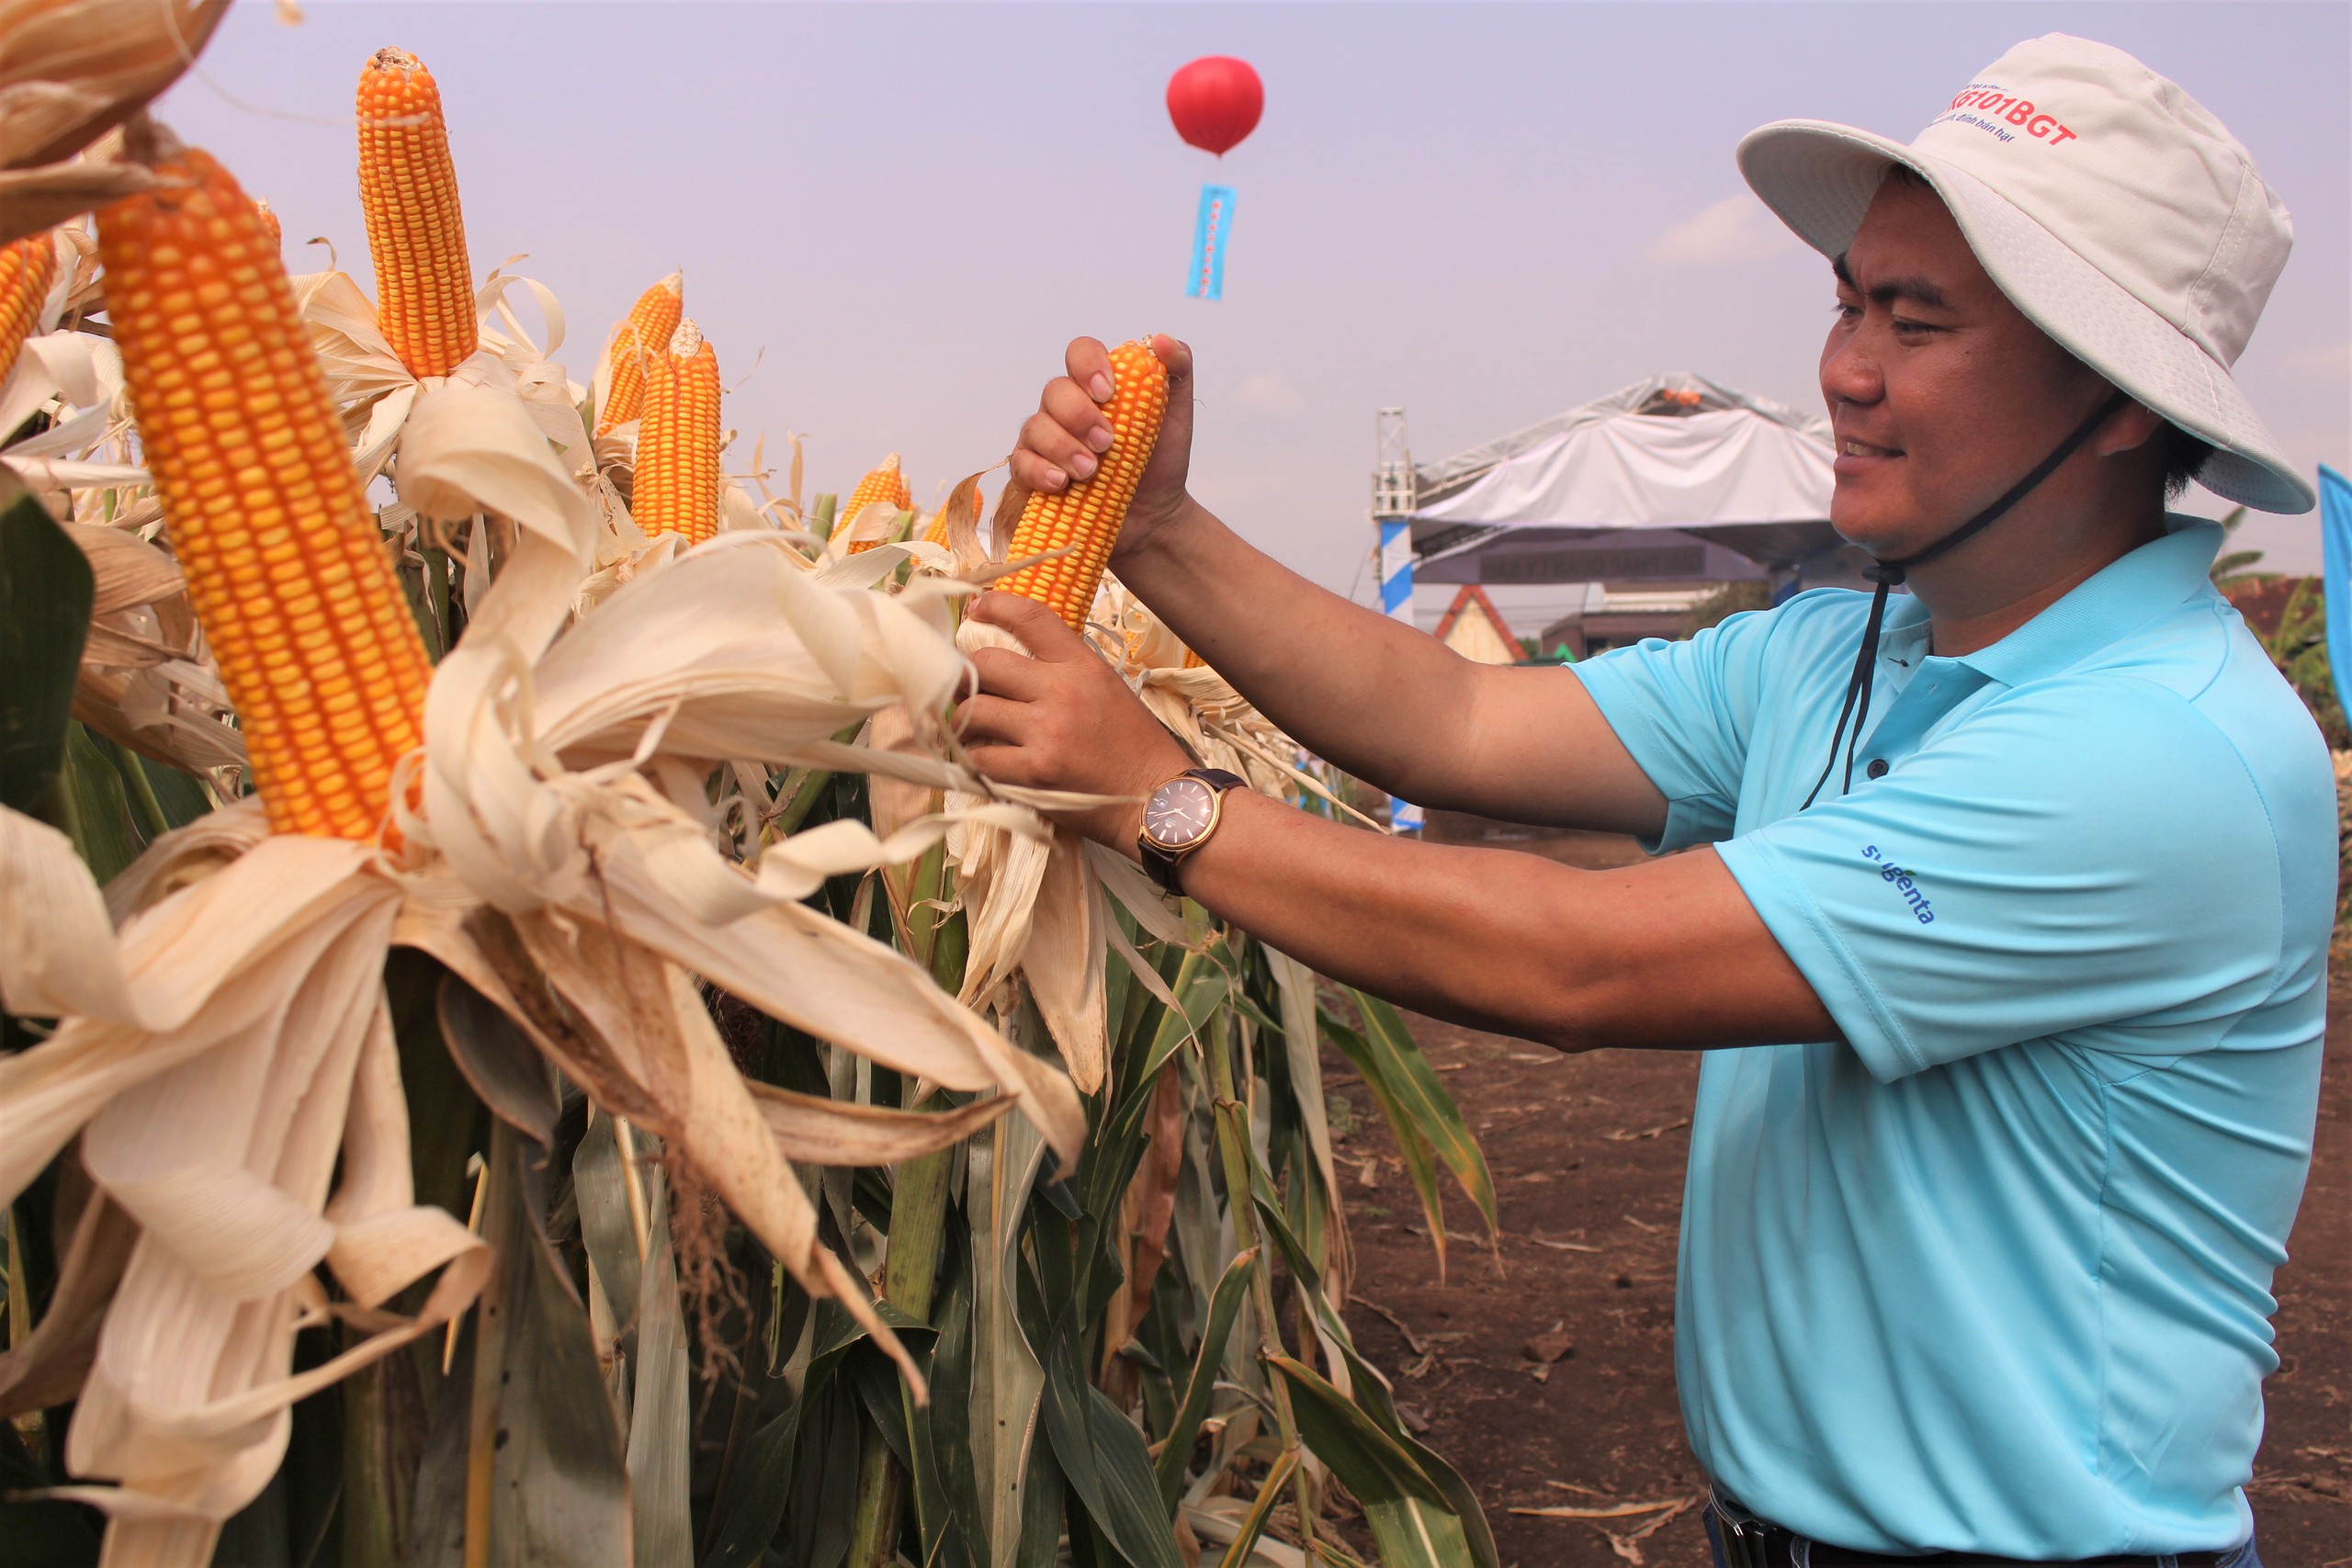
1371	694
1388	704
1667	955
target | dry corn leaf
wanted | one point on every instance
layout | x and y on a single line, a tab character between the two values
35	199
830	1132
219	1064
48	1368
71	70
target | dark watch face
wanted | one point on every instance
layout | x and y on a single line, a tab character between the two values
1179	813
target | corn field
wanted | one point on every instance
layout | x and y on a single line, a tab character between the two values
527	1041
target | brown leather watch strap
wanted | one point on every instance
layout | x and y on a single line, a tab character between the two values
1162	864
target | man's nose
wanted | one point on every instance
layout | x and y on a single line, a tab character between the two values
1850	372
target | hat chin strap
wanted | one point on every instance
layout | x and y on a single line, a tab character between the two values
1890	572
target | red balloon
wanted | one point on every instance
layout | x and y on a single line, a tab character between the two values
1216	101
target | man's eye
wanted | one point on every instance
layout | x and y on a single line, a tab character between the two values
1906	324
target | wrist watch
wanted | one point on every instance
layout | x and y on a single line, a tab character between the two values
1178	818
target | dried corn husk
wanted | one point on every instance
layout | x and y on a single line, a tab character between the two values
70	70
546	852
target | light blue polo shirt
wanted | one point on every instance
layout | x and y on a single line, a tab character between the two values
1993	1274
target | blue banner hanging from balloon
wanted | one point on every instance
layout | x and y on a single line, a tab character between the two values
1211	231
2335	576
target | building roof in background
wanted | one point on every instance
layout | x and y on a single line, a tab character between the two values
1676	477
1473	628
1676	394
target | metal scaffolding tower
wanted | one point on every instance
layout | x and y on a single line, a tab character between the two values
1392	507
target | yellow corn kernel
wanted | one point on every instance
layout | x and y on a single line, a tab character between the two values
408	190
883	482
1089	513
636	341
676	488
286	568
27	267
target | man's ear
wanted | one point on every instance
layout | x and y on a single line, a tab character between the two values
2134	427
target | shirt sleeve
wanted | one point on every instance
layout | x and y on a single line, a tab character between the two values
1685	711
2067	862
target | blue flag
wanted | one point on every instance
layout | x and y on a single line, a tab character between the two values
1210	233
2335	575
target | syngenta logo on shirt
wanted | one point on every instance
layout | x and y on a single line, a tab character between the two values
1903	884
1988	108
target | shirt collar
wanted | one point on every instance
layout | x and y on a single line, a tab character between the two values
2123	594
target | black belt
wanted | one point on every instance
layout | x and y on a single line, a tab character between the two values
1751	1542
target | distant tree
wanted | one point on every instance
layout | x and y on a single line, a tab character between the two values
2234	568
2299	647
1724	602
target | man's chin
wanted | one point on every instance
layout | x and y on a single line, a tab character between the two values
1870	529
1874	512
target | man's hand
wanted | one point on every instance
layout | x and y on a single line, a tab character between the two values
1065	439
1063	719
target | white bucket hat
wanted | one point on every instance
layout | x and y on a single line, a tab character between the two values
2109	205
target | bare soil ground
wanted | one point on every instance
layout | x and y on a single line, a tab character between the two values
1588	1155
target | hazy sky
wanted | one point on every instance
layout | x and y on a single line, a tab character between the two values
891	217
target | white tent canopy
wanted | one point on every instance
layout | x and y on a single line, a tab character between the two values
1674	477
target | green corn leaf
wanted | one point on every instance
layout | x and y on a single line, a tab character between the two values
178	796
1421	1162
442	1111
1006	1379
1223	1308
504	1069
1416	1086
660	1443
752	1506
1411	1520
600	1189
1037	1543
951	1312
98	807
559	1485
45	593
1103	1457
1253	1523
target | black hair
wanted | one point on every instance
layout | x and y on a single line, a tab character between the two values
2184	458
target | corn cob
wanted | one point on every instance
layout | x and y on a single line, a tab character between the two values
27	267
408	188
636	341
883	482
1089	513
284	567
1194	660
269	217
676	488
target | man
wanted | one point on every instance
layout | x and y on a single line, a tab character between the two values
2008	952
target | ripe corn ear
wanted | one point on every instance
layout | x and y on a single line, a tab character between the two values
286	567
636	342
1089	514
269	217
676	488
1194	660
408	188
27	267
883	482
